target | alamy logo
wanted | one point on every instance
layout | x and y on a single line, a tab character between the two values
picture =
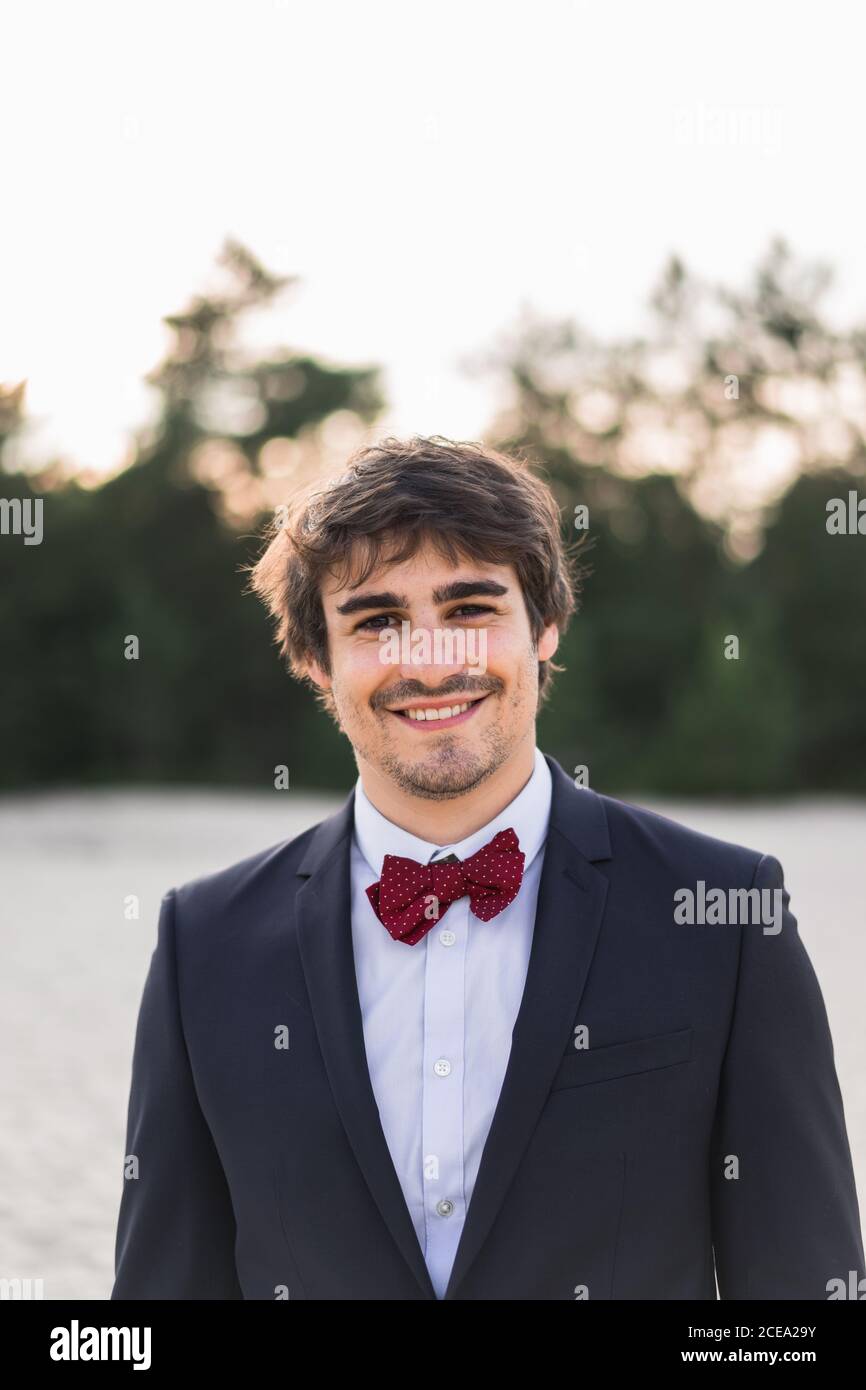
22	516
702	906
855	1288
76	1343
443	646
846	517
21	1289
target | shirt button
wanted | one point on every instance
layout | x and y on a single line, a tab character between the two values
445	1206
447	937
442	1067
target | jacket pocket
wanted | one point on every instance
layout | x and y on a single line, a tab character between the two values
624	1059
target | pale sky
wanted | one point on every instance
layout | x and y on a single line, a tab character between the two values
426	171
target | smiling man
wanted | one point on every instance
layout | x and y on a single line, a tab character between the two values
455	1041
435	733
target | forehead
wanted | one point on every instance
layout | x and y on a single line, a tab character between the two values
416	576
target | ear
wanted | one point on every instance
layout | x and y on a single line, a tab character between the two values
548	642
318	675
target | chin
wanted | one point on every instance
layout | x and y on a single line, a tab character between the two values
447	772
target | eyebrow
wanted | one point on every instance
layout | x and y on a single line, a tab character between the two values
468	588
364	601
446	593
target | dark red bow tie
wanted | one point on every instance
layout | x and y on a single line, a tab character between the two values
410	898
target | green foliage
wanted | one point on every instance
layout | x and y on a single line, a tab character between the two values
648	700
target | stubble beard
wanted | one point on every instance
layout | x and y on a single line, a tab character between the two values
448	770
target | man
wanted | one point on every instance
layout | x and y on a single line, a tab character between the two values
482	1034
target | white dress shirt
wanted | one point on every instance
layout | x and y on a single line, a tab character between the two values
438	1016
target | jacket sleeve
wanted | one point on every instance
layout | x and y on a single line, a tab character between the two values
176	1227
788	1224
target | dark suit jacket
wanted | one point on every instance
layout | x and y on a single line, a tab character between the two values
264	1171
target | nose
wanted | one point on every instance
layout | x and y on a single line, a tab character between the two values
431	655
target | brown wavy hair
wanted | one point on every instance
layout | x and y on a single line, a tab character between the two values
469	501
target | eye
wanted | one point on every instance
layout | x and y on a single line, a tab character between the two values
471	610
376	623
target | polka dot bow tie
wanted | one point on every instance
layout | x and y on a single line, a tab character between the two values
410	898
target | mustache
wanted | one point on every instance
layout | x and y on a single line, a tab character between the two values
455	685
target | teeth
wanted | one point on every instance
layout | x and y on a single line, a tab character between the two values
447	713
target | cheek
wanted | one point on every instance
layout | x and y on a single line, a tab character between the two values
510	655
359	670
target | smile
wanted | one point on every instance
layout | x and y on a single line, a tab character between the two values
438	716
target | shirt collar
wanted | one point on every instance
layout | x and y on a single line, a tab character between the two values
528	815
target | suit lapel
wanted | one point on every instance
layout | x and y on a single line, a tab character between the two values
571	900
323	909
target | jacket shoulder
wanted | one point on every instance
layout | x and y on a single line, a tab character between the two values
268	870
641	833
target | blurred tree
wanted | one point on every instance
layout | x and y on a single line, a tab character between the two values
156	553
704	454
714	439
814	582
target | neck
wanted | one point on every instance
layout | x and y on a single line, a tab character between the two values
448	821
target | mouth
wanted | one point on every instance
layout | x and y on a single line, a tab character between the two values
427	716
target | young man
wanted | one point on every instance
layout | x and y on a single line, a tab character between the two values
461	1040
